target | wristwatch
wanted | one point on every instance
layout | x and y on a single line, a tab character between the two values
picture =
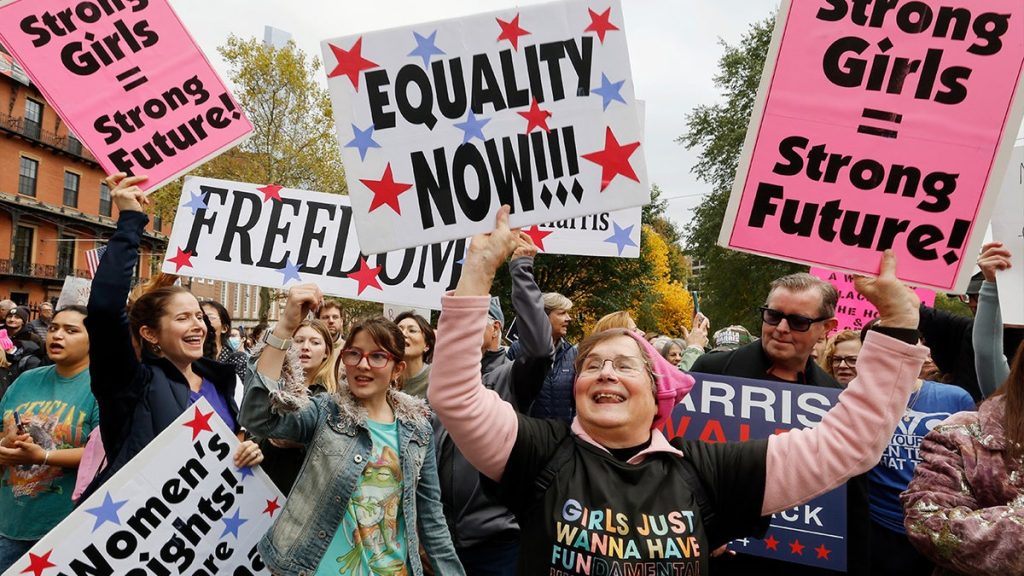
275	342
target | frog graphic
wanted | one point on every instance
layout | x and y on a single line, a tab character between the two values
375	506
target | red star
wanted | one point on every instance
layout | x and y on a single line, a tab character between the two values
535	117
614	159
272	506
599	23
795	547
182	258
386	190
823	552
538	236
511	31
38	563
350	62
771	543
366	276
199	423
271	191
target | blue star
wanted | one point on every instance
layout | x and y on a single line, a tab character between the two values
621	237
289	271
363	140
473	127
425	48
246	472
106	512
609	91
460	261
232	524
196	203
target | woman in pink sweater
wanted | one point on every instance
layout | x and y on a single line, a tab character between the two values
610	495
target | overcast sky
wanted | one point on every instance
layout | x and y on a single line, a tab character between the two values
674	48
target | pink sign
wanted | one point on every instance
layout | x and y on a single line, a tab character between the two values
129	81
881	125
853	311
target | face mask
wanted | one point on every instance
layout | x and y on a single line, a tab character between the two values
235	342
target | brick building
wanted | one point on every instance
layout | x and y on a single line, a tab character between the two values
53	204
242	301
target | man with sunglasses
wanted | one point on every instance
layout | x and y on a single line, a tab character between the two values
799	311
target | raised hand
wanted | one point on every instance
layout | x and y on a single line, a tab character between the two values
302	299
487	252
898	305
125	193
994	257
524	246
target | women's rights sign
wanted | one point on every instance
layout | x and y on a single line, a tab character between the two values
129	81
443	122
881	125
853	311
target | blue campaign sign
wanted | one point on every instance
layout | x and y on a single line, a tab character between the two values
729	409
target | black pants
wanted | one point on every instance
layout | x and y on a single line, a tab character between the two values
892	554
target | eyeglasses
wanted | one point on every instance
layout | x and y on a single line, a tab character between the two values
623	365
797	322
851	361
376	359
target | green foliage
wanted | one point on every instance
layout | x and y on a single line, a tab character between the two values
952	304
732	284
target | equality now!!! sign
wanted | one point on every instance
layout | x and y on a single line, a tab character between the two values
179	507
441	123
881	125
729	409
129	81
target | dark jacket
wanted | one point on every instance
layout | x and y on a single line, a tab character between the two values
474	514
555	399
137	400
751	361
950	338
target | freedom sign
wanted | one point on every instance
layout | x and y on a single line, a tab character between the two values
853	311
441	123
129	81
729	409
180	506
881	125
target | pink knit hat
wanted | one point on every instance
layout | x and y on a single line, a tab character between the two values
673	383
5	341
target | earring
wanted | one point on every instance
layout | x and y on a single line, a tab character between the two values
157	349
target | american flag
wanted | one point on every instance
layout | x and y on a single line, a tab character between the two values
92	258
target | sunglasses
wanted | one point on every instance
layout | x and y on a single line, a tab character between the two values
797	322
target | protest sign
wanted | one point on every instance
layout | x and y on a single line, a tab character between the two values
75	292
278	237
606	234
853	311
443	122
1008	228
880	125
128	80
729	409
179	506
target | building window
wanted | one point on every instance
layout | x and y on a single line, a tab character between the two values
238	301
23	239
224	293
245	308
33	118
158	222
28	172
105	203
66	256
71	189
73	145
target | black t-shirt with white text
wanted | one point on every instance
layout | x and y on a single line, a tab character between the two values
603	516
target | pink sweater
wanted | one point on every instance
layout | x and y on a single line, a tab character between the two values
801	464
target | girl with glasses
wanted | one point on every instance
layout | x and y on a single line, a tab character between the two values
368	494
840	358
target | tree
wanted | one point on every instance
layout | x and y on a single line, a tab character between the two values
293	142
733	284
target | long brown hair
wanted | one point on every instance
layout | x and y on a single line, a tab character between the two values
150	307
1013	390
384	333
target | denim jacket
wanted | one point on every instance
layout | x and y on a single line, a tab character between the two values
333	427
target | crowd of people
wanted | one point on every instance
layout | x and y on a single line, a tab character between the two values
407	447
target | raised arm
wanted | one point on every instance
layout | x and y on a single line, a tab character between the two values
803	464
276	407
482	425
989	362
538	351
113	365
